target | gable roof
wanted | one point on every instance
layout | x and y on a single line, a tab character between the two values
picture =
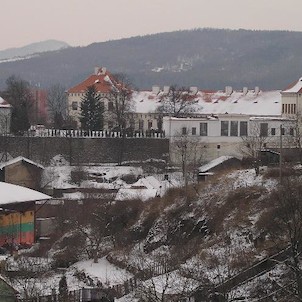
10	193
294	88
20	158
102	80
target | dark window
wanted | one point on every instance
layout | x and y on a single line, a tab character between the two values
149	124
193	130
224	128
183	130
141	124
273	131
74	105
243	128
263	129
234	128
218	146
132	124
291	131
110	106
203	129
282	131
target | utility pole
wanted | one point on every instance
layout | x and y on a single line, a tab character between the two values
280	156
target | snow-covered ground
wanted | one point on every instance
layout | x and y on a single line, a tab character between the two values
59	176
213	262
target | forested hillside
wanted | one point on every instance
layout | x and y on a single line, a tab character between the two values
207	58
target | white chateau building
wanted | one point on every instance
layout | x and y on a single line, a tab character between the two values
221	122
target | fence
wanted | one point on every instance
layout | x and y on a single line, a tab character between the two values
93	134
81	295
89	294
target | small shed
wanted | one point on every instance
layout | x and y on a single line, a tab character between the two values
18	211
21	171
216	165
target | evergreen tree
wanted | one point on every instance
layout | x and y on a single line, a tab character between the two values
63	289
91	110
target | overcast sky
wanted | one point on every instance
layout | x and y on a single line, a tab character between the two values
82	22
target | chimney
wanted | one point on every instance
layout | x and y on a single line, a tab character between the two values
103	70
257	89
155	89
228	90
193	89
96	70
245	90
166	89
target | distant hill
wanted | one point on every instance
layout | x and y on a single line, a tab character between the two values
207	58
34	48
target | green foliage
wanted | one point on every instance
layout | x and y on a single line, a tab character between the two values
91	110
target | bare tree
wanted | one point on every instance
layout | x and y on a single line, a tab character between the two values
186	150
283	223
120	101
178	101
57	104
254	143
18	94
159	279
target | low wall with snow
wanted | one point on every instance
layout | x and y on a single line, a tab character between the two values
86	150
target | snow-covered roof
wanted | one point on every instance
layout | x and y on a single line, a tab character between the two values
294	88
213	163
219	102
3	103
10	193
145	188
20	158
136	193
149	182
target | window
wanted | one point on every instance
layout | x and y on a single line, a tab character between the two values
150	124
141	124
110	106
243	128
283	108
183	130
203	129
224	128
193	130
273	131
282	131
291	131
234	128
263	129
110	124
132	123
74	105
218	146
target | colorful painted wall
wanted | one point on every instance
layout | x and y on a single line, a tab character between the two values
17	228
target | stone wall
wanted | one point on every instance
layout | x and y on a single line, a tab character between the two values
86	150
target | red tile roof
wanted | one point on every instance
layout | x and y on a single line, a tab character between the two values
101	80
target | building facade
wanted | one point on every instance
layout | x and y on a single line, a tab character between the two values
5	116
